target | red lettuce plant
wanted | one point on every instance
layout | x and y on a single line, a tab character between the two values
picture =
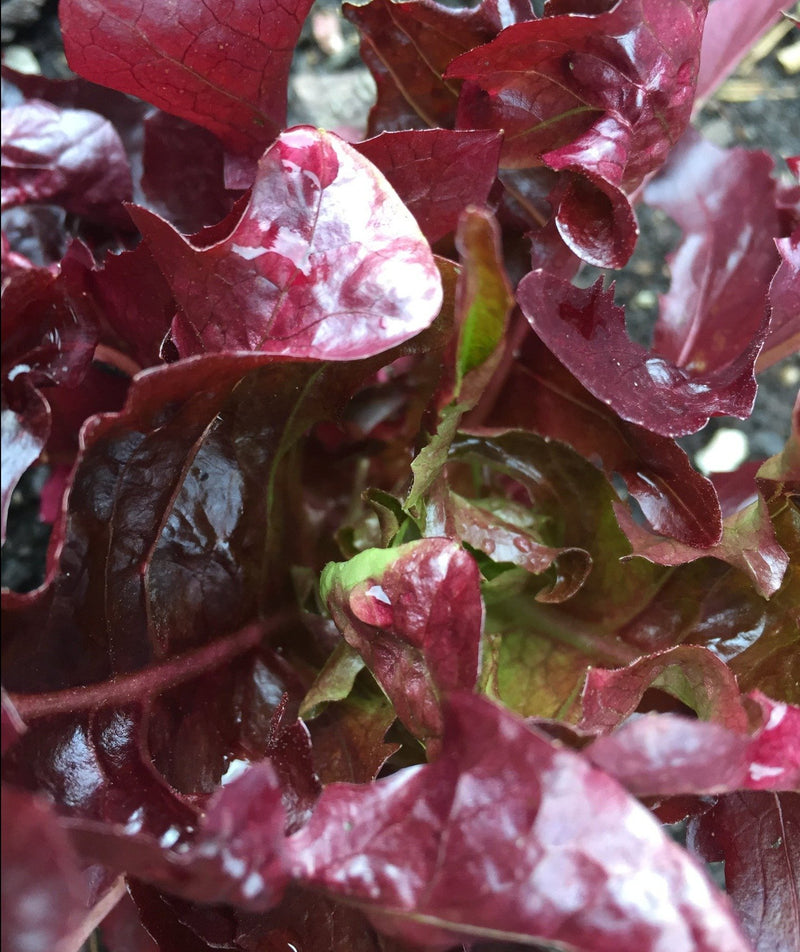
382	611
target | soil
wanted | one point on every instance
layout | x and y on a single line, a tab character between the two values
331	88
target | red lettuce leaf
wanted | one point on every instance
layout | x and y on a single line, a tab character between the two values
233	855
225	69
49	338
436	172
325	261
690	673
484	528
122	929
183	173
348	739
731	29
540	394
415	615
758	837
664	754
133	304
628	69
68	157
724	200
408	47
148	568
44	890
748	543
49	334
480	844
586	331
600	97
102	390
783	338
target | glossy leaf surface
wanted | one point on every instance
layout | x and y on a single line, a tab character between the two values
325	262
783	338
540	394
663	754
724	200
415	615
416	850
599	97
68	157
586	331
408	47
222	68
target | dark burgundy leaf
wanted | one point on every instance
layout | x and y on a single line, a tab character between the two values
102	390
212	721
44	891
748	543
540	394
595	220
133	304
783	338
49	337
602	97
122	930
325	262
175	924
758	837
628	73
586	331
68	157
436	172
519	848
223	68
414	613
183	173
408	47
48	333
289	749
309	921
96	766
170	563
724	200
233	856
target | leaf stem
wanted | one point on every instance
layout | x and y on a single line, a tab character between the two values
149	682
